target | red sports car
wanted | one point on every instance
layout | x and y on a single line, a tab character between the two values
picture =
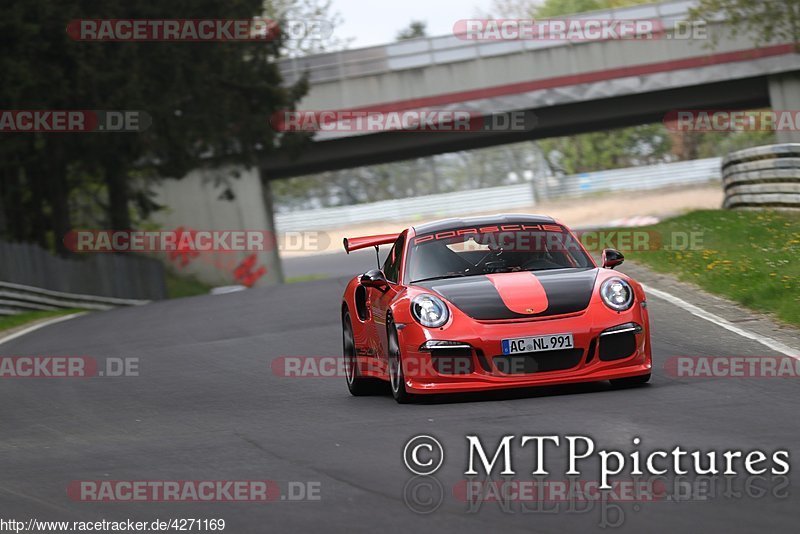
483	303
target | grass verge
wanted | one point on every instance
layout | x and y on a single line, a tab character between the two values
179	285
305	278
751	257
8	322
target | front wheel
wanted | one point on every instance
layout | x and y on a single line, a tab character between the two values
630	381
397	379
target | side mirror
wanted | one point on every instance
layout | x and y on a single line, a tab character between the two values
374	278
612	258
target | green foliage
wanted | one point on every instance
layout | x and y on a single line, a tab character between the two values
764	21
713	144
749	257
556	8
416	28
182	285
613	149
204	99
307	10
8	322
438	174
305	278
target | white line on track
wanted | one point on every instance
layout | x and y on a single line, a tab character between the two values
663	295
724	323
37	326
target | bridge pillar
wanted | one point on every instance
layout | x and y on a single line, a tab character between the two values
784	94
271	257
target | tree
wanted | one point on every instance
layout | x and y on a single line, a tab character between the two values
318	20
443	173
555	8
209	104
415	29
626	147
764	21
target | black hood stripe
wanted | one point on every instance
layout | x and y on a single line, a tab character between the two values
568	291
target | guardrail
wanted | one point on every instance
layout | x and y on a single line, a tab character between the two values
115	276
638	178
18	298
444	204
763	177
504	198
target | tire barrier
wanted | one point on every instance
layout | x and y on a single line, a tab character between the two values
762	177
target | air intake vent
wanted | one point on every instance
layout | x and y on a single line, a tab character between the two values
617	346
538	362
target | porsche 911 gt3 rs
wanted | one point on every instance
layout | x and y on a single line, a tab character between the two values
484	303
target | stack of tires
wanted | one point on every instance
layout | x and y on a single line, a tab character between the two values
762	177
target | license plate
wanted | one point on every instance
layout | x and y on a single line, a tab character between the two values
537	343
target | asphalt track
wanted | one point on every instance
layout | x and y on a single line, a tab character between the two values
207	406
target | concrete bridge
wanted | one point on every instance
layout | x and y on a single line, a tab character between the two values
569	86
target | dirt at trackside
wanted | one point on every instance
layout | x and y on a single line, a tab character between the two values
595	210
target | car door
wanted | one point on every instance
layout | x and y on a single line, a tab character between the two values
380	300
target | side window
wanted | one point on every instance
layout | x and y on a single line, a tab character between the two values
391	267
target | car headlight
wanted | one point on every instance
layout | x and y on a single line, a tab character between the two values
617	294
429	310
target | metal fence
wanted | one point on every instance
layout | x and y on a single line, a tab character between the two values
109	276
639	178
504	198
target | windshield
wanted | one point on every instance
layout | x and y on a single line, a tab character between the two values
510	248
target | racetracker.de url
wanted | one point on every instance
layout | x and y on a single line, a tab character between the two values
124	525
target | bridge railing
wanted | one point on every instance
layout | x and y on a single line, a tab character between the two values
427	51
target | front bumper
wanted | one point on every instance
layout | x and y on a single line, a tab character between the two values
593	358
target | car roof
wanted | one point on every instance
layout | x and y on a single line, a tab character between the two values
483	220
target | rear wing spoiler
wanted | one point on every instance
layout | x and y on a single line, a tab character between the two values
356	243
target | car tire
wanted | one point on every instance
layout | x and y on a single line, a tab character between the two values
357	385
630	381
397	382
